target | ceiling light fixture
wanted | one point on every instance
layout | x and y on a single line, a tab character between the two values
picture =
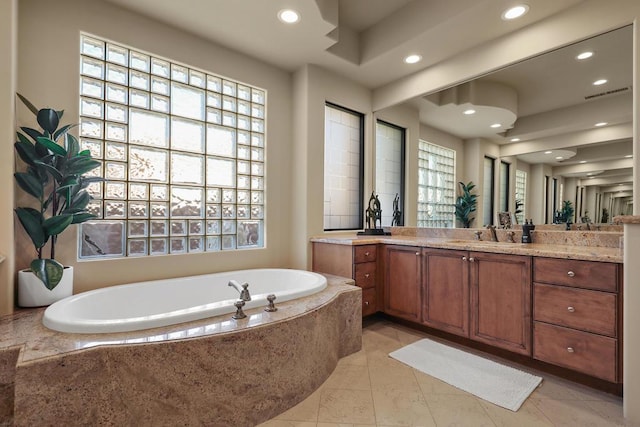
559	158
548	152
515	139
515	12
600	124
469	112
584	55
599	82
583	161
288	16
496	125
628	156
412	59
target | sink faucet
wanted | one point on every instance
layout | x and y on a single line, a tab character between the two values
244	293
492	230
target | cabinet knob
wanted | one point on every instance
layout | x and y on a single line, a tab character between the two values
417	253
366	275
472	259
570	309
570	273
464	258
366	253
366	303
570	349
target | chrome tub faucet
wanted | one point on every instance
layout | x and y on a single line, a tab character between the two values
244	293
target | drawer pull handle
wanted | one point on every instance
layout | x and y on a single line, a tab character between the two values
472	259
571	273
570	349
366	276
571	309
366	253
366	303
464	258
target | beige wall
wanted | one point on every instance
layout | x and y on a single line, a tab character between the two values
313	87
8	44
48	75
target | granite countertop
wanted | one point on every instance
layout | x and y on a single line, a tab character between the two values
566	251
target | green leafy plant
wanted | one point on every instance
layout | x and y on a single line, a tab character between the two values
466	204
55	166
566	214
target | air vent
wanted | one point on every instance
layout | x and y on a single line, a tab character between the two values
609	92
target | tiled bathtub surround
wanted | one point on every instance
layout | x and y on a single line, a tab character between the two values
216	371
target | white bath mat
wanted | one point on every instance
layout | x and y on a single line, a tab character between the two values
491	381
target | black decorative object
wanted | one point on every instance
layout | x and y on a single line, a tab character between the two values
397	214
373	214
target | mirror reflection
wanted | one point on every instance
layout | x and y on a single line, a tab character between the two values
543	135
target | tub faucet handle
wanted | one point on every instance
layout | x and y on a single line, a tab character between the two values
239	313
244	295
271	307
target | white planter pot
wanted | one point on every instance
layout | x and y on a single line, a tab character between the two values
33	293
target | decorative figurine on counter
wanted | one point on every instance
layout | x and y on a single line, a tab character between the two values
373	215
397	215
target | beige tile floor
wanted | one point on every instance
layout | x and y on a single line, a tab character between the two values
369	388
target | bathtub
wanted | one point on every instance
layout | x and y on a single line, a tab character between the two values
157	303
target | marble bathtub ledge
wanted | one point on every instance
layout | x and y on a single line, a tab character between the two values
239	376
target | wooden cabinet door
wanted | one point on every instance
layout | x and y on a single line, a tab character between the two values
501	300
445	292
402	282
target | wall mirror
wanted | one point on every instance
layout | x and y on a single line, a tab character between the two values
564	118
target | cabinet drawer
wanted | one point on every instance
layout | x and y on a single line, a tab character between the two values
364	253
368	301
594	355
581	274
591	311
365	274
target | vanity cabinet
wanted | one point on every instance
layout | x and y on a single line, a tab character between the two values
445	290
402	278
500	288
358	262
577	320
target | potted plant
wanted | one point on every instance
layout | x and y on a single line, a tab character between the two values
466	204
53	177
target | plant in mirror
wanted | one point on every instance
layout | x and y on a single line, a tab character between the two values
466	204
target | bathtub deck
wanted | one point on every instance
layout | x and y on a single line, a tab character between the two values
27	347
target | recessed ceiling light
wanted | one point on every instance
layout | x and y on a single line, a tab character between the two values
515	139
559	158
469	112
412	59
628	156
599	82
548	152
583	161
590	173
288	16
600	124
496	125
584	55
515	12
591	177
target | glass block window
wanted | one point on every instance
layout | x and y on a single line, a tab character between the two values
521	195
343	168
436	185
389	172
182	152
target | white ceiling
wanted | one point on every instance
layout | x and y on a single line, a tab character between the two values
366	41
